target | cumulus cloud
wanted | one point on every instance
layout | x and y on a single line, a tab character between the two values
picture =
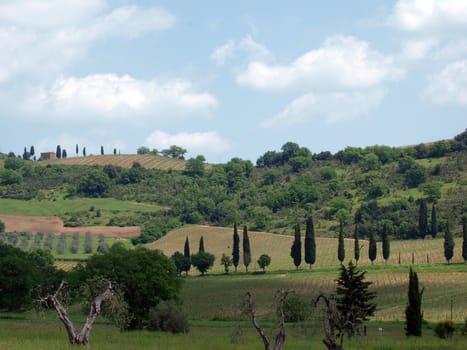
113	97
247	47
42	37
206	143
342	62
422	15
329	107
449	86
414	50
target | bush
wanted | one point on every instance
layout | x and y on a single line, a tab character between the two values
444	329
168	317
296	309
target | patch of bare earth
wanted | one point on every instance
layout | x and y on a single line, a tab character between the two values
53	224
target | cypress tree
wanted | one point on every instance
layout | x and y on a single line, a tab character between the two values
102	150
246	248
201	245
31	151
58	152
296	249
413	311
385	240
434	221
422	219
372	251
236	248
356	246
464	238
186	248
77	150
448	244
187	256
84	151
310	243
340	244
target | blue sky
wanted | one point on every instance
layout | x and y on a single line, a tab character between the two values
230	79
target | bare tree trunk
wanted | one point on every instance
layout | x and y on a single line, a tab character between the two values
280	337
333	325
81	338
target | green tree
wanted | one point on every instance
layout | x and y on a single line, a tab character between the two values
340	245
310	243
186	254
354	300
296	249
102	150
236	248
142	150
84	151
246	248
434	222
422	219
264	261
385	242
226	261
146	277
464	237
95	184
58	152
76	150
372	250
356	246
175	152
202	261
413	311
195	166
448	243
179	260
201	245
32	152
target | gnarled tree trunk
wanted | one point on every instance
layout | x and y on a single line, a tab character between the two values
81	338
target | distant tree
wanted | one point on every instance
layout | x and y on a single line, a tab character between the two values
354	300
434	221
422	219
413	311
76	150
385	242
142	150
296	249
186	254
201	245
310	243
448	243
264	261
95	184
84	151
226	261
464	237
64	154
340	244
26	154
202	261
356	246
115	151
58	152
102	150
179	261
175	152
246	248
32	152
235	248
372	250
195	166
2	226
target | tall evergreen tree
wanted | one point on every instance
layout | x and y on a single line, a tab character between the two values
102	150
58	152
84	151
310	243
236	248
32	151
413	311
385	242
201	245
434	221
356	245
464	238
448	244
187	256
340	244
246	249
77	150
64	155
186	248
296	249
422	219
353	297
372	250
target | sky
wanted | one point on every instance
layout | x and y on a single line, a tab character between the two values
230	79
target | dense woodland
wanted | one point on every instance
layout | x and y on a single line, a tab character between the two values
412	191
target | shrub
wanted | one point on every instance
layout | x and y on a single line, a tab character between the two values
296	309
444	329
167	317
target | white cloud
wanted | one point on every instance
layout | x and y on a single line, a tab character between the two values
206	143
117	97
330	107
449	86
247	47
414	50
422	15
342	62
40	38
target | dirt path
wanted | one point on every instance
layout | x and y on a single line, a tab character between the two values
53	224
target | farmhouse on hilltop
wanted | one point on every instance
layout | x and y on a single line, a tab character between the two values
48	155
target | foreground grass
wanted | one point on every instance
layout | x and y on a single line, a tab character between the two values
38	334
